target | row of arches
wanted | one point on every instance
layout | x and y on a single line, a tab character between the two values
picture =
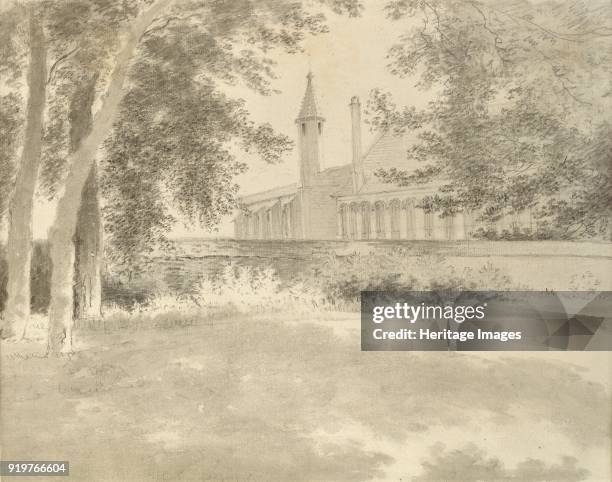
363	220
270	222
396	219
402	219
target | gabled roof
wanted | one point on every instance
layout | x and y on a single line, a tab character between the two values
309	102
388	150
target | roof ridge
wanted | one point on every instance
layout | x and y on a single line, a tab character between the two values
273	192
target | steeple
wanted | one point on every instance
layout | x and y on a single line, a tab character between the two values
310	129
309	102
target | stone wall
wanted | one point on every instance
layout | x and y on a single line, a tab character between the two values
536	264
539	265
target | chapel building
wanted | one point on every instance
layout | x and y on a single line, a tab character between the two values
349	201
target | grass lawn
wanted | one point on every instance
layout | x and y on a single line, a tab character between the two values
272	398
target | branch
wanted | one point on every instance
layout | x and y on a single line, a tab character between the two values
553	68
558	35
167	22
159	27
525	166
497	40
443	37
58	61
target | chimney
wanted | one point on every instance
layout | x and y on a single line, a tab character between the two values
356	141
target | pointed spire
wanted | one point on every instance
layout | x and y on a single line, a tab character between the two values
309	103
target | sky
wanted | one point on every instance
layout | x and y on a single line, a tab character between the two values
349	60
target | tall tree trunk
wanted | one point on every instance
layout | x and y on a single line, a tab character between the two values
88	253
19	243
80	163
88	236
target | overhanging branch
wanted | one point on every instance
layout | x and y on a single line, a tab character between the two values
61	59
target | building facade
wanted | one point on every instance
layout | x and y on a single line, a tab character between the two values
349	201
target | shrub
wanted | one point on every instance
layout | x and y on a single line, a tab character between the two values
544	232
237	290
138	291
250	289
163	310
342	278
333	283
40	277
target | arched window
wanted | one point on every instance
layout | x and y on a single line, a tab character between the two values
365	220
380	219
246	226
285	222
268	224
429	224
255	226
353	227
469	222
344	221
449	227
395	219
410	219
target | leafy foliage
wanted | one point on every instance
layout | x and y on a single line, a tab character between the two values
83	37
10	126
522	116
396	270
12	39
172	155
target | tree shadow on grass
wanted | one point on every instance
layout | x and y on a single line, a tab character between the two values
248	400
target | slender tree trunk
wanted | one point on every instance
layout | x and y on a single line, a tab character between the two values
88	236
19	244
62	232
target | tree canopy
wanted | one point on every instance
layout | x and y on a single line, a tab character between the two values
521	118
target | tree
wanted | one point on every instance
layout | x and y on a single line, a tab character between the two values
61	31
176	54
88	238
86	34
19	244
521	119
